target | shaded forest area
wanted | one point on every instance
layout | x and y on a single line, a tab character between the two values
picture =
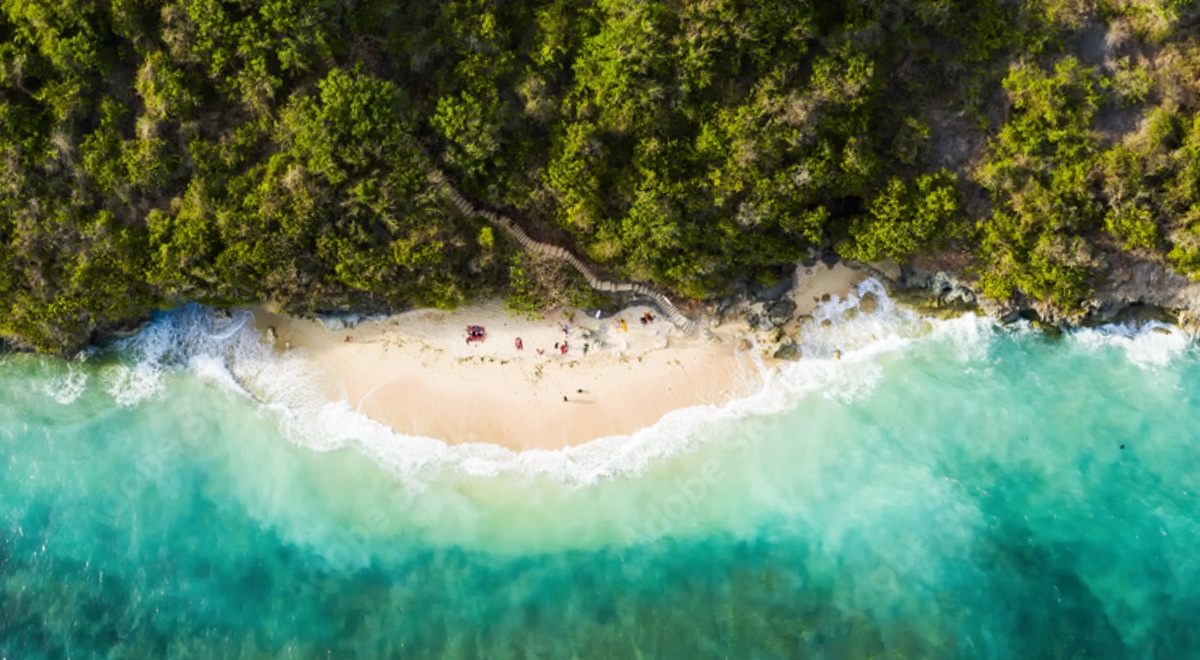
227	151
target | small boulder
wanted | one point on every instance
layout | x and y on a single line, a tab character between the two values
269	336
780	312
751	322
787	350
868	303
1048	329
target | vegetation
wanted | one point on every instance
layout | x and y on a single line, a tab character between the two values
153	151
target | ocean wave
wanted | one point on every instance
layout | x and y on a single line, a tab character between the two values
841	347
170	343
1149	345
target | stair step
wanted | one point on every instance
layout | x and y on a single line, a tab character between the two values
438	178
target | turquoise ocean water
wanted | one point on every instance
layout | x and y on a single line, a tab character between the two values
947	489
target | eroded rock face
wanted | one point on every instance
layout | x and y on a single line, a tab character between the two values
1135	289
1144	284
1001	310
1132	288
951	289
1189	320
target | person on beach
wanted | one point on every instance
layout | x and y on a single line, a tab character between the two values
623	328
564	348
519	344
585	347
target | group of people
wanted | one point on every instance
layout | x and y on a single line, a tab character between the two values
562	346
646	319
477	333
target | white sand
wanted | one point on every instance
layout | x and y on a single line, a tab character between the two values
416	373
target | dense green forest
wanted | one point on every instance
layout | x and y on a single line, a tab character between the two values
225	151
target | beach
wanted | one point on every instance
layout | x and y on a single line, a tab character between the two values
417	373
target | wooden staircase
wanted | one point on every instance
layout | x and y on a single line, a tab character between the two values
438	179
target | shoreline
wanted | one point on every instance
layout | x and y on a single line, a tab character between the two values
416	373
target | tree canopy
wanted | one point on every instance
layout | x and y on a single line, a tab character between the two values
226	151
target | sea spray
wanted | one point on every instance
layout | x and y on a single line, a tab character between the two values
69	382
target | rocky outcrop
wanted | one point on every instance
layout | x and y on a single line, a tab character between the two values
766	316
346	321
781	311
1135	289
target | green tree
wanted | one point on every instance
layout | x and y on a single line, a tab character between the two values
907	218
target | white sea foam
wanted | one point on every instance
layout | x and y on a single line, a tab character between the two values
214	369
169	343
230	353
67	387
842	348
1149	345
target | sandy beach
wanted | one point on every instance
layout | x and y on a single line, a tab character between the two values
417	373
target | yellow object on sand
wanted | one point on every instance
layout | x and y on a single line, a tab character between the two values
623	328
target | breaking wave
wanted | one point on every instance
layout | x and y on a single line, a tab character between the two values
843	349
